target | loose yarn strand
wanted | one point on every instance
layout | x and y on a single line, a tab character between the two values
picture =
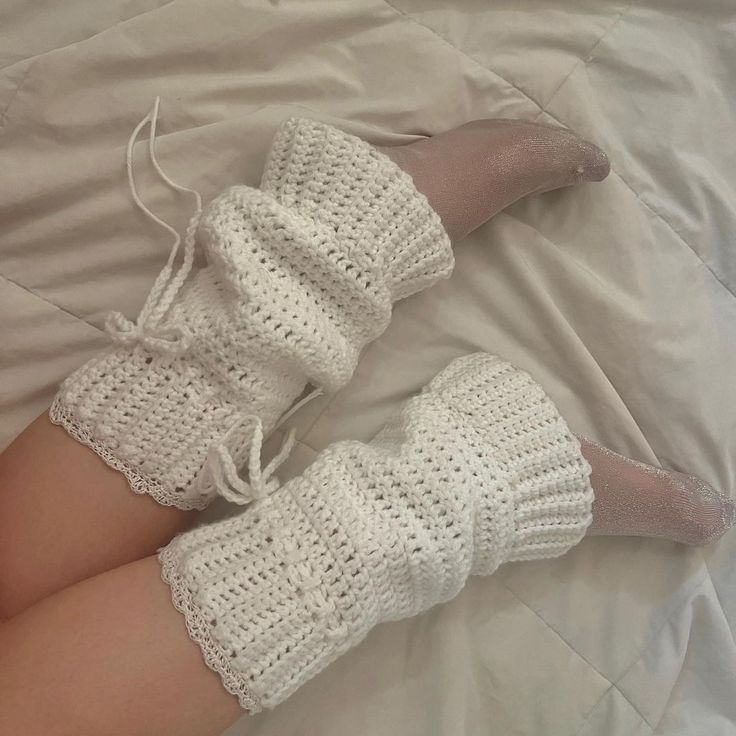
261	481
167	283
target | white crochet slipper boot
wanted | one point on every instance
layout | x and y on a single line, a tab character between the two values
479	469
302	274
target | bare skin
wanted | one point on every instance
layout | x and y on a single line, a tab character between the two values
109	656
66	516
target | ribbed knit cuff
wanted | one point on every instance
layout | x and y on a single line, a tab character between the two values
536	459
347	185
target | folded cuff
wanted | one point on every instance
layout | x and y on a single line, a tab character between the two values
347	185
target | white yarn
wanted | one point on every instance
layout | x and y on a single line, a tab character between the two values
302	274
477	470
167	284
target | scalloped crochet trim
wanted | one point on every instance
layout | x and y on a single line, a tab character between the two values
138	483
199	632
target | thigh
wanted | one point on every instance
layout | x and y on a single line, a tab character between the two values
109	656
66	516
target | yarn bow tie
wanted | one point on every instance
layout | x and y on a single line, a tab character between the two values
261	481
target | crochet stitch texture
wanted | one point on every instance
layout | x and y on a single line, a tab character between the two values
477	470
301	275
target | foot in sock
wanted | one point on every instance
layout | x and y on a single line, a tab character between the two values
472	172
634	499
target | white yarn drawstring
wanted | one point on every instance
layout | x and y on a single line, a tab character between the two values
261	481
298	405
146	329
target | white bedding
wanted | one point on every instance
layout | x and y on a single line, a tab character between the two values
618	298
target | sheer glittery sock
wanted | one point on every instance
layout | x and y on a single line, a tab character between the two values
634	499
472	172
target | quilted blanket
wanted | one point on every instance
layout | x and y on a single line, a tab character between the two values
619	298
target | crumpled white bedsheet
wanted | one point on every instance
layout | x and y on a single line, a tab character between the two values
618	298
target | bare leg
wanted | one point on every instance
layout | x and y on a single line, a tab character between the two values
108	656
65	516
